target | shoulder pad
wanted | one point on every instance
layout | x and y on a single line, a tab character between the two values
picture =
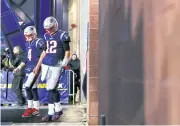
38	39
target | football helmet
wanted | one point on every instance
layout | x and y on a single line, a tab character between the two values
30	33
50	25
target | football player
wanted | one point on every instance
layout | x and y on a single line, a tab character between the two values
53	59
34	47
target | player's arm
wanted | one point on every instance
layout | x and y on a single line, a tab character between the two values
66	47
39	62
42	50
43	54
66	58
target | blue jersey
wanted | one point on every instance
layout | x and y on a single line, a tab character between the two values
34	50
54	47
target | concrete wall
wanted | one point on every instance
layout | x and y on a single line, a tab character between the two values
85	44
162	69
121	59
139	61
73	19
83	38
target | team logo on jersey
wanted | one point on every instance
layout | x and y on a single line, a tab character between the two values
66	36
40	43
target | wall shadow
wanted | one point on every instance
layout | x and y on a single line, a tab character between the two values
121	83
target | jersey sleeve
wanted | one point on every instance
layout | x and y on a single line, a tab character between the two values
44	39
41	45
66	46
65	37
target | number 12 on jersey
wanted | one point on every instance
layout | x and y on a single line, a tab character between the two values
51	46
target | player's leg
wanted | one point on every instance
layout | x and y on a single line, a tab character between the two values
53	97
51	106
54	81
44	72
34	90
28	86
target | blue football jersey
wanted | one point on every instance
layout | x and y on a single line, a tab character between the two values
54	47
34	50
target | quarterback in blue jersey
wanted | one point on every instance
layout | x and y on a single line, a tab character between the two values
34	47
53	59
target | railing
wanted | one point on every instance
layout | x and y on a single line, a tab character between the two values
73	94
70	81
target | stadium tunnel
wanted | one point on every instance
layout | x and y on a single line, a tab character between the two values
15	16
